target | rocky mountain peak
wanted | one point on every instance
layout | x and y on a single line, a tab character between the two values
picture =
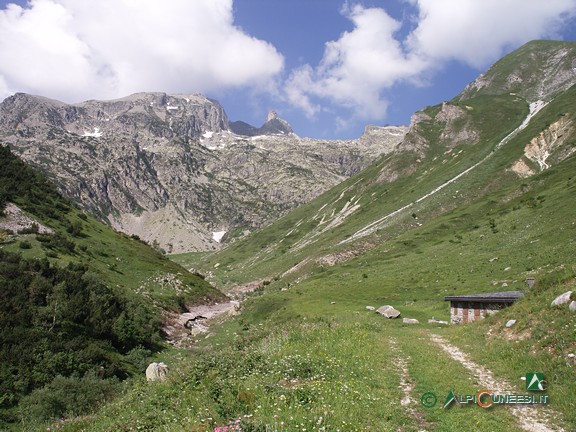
274	125
271	115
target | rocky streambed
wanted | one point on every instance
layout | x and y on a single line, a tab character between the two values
184	329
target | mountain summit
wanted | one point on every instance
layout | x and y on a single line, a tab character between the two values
274	125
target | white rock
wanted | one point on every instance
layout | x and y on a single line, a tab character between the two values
572	306
435	321
370	308
156	371
410	321
388	311
510	323
561	299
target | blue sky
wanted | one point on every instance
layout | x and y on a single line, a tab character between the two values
329	67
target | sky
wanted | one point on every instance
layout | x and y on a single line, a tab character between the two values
328	67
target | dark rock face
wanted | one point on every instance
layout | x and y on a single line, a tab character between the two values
273	126
169	169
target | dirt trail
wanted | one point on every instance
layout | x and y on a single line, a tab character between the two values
529	418
407	386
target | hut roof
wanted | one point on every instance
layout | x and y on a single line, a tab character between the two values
493	297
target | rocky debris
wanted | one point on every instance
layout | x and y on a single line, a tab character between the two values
156	371
410	321
388	311
510	323
15	220
194	322
182	330
572	306
435	321
542	149
562	299
571	359
370	308
235	308
198	329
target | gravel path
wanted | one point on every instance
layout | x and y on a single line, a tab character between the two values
530	418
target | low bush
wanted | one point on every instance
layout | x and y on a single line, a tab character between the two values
68	397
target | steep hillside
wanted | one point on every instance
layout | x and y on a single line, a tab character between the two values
168	169
81	306
537	71
453	155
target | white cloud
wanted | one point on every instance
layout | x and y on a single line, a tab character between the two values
79	49
364	63
356	67
477	32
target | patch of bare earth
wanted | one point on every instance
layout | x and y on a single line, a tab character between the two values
407	386
338	257
530	418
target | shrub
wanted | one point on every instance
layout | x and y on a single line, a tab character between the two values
32	229
68	397
74	228
25	244
139	358
57	242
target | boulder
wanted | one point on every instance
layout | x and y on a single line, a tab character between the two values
198	329
562	299
510	323
388	311
156	371
235	309
410	321
572	306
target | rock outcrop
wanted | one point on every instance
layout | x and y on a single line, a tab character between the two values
169	169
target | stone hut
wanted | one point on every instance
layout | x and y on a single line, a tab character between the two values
470	307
